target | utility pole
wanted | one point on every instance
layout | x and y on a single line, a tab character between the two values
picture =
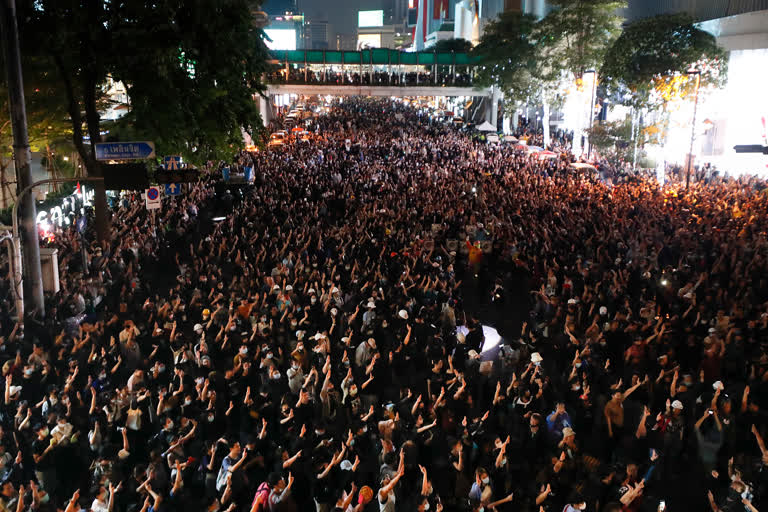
696	72
9	32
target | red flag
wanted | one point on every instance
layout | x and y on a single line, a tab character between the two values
78	188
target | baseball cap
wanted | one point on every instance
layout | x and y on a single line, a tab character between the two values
197	328
677	404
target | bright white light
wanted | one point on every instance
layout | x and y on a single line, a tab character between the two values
368	41
218	219
370	18
492	337
664	282
282	38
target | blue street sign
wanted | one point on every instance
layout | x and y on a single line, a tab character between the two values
172	163
172	189
125	150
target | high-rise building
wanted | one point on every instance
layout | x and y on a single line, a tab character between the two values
399	11
471	16
318	35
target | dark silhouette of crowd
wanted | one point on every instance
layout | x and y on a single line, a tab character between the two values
357	75
325	339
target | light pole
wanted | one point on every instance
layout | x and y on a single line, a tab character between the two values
592	99
697	72
21	153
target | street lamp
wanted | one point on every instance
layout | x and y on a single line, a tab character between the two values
697	72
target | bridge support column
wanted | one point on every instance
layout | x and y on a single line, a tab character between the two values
265	109
492	111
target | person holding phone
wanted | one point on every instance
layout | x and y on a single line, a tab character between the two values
709	437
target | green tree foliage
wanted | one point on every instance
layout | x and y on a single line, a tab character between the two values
507	55
575	36
191	67
612	139
48	123
457	45
643	62
202	91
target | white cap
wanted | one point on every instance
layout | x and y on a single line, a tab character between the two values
536	358
197	328
371	305
334	290
403	314
289	288
346	465
311	291
603	310
572	301
718	385
677	404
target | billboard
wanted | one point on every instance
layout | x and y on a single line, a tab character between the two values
368	41
370	18
282	38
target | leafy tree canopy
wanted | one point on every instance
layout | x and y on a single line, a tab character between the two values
651	54
575	36
508	55
191	68
457	45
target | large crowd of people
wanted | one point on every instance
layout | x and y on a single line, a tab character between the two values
323	339
362	75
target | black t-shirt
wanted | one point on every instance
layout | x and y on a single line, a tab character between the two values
38	447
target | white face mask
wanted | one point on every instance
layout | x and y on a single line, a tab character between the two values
486	480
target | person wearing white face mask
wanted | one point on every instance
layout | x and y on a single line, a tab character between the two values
481	489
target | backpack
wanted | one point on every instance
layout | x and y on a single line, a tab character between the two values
261	498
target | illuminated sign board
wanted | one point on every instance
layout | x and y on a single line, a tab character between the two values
368	41
59	215
282	38
370	18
